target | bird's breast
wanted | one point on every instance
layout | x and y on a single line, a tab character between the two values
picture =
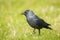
31	22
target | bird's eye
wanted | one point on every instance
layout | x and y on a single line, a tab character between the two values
25	12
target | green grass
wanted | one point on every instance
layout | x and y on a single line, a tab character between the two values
13	25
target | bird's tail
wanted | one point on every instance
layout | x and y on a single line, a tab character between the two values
49	28
49	24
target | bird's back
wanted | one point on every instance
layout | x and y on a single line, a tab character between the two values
36	22
41	23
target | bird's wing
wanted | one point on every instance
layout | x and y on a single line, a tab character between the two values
40	22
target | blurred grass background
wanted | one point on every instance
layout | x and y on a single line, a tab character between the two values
13	25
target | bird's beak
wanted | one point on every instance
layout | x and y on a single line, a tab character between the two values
22	13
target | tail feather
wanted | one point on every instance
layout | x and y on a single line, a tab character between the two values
49	28
49	24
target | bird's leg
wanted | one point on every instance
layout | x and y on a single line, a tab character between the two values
39	31
33	31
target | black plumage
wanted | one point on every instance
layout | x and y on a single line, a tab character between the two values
34	21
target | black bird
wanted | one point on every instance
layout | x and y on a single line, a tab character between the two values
34	21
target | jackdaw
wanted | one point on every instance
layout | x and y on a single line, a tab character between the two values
34	21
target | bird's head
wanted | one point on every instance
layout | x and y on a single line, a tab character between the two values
28	12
